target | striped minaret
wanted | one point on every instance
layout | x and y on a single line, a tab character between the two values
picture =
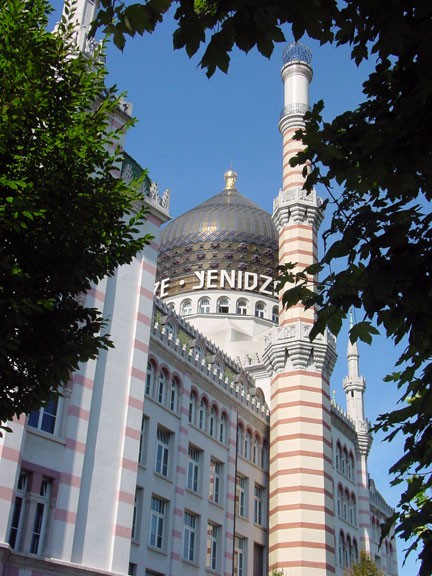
301	522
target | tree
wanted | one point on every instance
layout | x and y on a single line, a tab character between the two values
364	567
66	219
376	165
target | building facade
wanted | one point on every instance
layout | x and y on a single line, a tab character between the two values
207	440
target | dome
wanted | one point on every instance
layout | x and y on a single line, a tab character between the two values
228	232
226	216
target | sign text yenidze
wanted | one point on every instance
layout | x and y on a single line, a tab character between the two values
228	279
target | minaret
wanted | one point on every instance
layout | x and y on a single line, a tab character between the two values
85	12
301	524
355	386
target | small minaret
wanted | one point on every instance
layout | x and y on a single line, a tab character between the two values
301	533
354	385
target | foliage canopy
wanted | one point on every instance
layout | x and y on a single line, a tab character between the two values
66	221
365	566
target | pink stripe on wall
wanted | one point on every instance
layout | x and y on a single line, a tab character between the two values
6	493
137	373
65	516
70	480
10	454
143	346
129	464
97	294
79	412
126	497
82	381
136	403
123	532
149	267
144	319
146	293
132	433
75	445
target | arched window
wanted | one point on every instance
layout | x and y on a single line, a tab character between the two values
343	461
339	501
256	451
213	421
202	417
341	549
275	314
352	466
355	551
259	309
240	438
349	552
161	387
174	392
222	427
247	444
192	407
354	510
346	499
223	305
204	306
264	455
242	307
186	307
150	378
338	456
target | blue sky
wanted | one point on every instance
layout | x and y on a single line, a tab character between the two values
190	130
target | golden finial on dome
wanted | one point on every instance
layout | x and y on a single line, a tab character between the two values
230	179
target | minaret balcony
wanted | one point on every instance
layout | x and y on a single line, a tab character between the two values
297	109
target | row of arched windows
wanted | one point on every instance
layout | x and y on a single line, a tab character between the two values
162	387
348	550
346	505
251	446
345	461
207	416
241	307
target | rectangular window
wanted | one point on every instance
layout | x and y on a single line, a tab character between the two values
142	452
215	489
18	511
213	535
132	569
239	556
41	517
189	536
258	504
136	518
45	419
162	452
193	469
157	522
241	495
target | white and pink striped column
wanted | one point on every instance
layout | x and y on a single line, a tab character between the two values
301	520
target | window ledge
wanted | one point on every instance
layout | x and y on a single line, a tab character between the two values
53	437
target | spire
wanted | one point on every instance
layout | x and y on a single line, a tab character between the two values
352	355
230	179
